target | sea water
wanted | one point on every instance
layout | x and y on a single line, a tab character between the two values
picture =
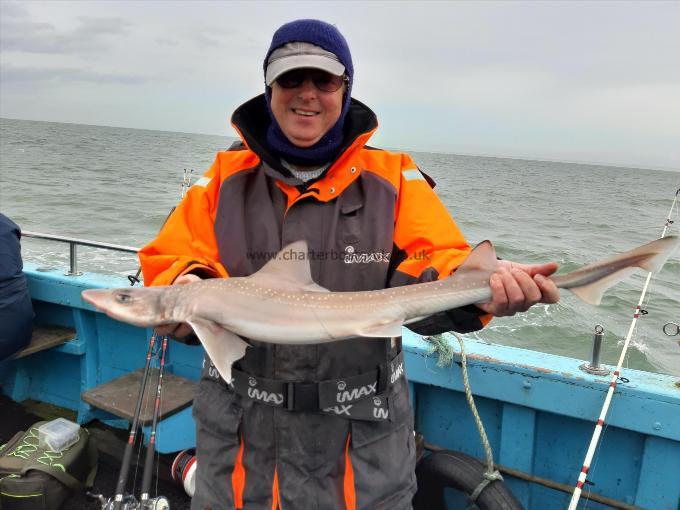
117	185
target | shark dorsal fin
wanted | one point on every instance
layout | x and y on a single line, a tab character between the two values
481	258
289	270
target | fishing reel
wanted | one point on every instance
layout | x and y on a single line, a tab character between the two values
129	502
159	503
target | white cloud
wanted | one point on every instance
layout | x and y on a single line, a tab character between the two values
90	35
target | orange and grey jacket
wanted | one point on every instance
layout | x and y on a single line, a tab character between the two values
371	221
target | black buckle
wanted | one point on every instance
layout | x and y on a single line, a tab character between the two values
302	396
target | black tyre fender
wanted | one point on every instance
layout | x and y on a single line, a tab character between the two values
458	471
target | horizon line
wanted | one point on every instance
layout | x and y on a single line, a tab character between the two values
430	151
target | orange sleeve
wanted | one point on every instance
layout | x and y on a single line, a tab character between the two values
424	232
186	243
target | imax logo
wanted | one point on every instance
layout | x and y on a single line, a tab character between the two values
356	393
396	374
380	414
343	409
265	396
351	257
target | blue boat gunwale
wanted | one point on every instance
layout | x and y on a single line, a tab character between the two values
521	367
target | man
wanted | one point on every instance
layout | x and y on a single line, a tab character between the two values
16	311
371	220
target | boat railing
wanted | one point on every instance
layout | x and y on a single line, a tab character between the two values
74	242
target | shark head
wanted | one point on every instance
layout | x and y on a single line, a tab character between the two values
141	307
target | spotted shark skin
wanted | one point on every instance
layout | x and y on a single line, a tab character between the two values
282	304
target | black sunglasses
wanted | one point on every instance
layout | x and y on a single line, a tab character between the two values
323	81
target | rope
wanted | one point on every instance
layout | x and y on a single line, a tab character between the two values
443	348
446	352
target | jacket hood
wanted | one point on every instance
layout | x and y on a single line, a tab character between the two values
252	120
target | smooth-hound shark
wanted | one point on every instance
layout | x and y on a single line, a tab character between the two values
281	303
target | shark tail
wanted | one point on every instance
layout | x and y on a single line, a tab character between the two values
592	293
650	257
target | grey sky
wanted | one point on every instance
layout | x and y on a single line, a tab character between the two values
575	81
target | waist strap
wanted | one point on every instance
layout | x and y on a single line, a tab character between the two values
347	397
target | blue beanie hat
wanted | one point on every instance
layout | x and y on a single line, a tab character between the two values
329	38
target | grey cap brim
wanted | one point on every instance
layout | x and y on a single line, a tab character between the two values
302	58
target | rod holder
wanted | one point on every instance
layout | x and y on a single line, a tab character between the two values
593	367
73	260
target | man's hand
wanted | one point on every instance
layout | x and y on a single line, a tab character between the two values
182	330
516	287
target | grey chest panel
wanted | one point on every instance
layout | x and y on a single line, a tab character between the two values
350	238
350	241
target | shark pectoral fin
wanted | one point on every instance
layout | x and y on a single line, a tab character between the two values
385	329
223	346
592	292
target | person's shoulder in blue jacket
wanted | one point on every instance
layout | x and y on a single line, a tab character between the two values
16	311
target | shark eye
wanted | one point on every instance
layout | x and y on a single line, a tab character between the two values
123	298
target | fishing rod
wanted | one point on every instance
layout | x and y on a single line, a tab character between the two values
129	447
121	500
615	377
150	449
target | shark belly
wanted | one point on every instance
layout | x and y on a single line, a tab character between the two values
297	320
